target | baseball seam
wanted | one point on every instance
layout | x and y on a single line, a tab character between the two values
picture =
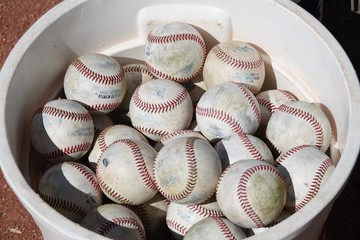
314	123
267	104
159	107
164	139
176	227
150	131
170	39
68	115
66	205
242	191
88	174
58	153
314	186
97	77
102	107
204	211
250	147
290	152
138	69
236	63
224	228
251	100
122	222
144	216
192	174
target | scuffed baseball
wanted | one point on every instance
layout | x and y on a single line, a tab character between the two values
125	172
180	217
227	108
299	123
251	193
234	61
97	81
114	221
306	169
109	135
215	228
71	189
240	146
186	170
159	107
62	130
175	51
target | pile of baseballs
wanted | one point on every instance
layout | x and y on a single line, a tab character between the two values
184	144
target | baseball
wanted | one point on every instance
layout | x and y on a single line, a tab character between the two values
114	221
298	123
62	130
71	189
227	108
251	193
135	74
95	80
186	170
240	146
159	107
215	228
175	51
110	135
269	101
234	61
305	169
125	172
180	217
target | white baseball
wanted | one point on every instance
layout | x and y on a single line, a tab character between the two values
269	101
159	107
71	189
215	228
180	217
114	221
306	169
62	130
125	172
186	170
251	193
234	61
240	146
135	74
95	80
298	123
175	51
227	108
110	135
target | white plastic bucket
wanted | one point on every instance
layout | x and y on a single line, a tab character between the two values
301	56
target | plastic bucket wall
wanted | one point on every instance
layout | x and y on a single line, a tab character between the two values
301	56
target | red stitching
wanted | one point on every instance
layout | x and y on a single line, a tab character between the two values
289	153
192	173
159	107
64	205
150	131
166	137
144	216
308	118
287	94
203	211
138	69
177	227
102	107
221	116
236	63
174	38
267	104
121	221
314	186
97	77
250	147
101	138
242	191
224	228
72	116
88	174
83	147
251	99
